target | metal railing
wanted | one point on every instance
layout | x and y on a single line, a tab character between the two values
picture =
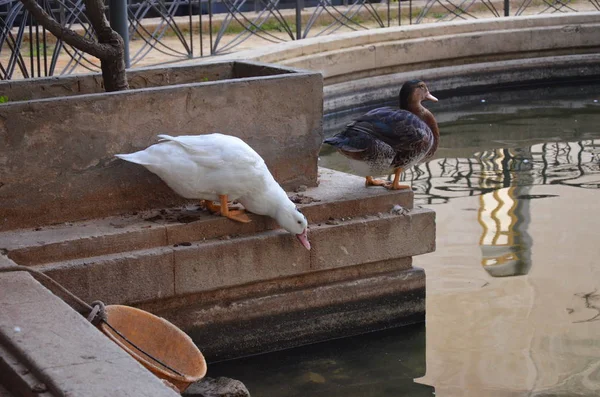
163	31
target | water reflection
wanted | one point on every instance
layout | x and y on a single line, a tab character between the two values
565	163
503	179
513	190
505	244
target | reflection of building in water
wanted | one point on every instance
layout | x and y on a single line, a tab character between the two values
504	213
503	179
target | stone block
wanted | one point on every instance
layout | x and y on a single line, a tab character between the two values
338	196
226	263
306	315
381	237
271	255
171	306
219	387
118	278
102	237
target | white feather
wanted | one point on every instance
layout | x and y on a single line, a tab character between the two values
205	166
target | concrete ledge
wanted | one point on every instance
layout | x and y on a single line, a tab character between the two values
366	67
57	159
46	348
246	254
228	275
340	196
307	315
355	52
475	78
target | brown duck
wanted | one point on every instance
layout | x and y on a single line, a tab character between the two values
386	139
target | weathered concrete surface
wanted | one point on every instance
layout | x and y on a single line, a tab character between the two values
306	315
130	260
446	82
205	264
339	196
57	155
369	66
148	77
44	340
200	270
276	286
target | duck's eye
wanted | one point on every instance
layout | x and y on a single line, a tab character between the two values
299	222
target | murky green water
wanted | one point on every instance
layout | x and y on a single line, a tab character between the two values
515	188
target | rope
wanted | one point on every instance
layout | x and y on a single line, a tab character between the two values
97	310
44	277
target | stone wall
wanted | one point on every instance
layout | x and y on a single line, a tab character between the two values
57	154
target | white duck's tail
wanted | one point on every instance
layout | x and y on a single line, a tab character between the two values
131	157
144	157
165	137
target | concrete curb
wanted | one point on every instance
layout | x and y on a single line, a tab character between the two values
47	348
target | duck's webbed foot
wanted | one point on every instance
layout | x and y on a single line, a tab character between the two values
238	215
369	181
396	184
234	215
391	186
210	206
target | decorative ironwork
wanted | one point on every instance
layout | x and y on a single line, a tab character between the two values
169	30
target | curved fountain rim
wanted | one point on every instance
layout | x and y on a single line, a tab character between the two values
317	45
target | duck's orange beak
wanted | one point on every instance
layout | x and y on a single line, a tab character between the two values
431	97
303	238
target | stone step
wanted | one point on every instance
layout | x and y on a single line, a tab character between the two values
339	196
202	266
207	274
306	315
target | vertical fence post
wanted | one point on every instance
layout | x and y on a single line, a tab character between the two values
299	7
506	8
118	21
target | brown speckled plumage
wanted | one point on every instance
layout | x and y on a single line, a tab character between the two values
390	138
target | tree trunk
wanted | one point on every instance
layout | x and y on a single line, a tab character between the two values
109	48
113	67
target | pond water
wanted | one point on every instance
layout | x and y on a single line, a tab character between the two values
513	289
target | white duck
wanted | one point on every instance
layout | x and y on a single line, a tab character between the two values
219	167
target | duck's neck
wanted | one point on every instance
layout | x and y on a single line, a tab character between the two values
425	115
269	202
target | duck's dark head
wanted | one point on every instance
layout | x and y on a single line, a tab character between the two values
414	92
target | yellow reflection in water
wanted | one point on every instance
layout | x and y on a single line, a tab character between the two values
503	216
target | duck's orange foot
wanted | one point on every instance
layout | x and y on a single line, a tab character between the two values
391	186
215	208
210	206
238	216
396	184
369	181
234	215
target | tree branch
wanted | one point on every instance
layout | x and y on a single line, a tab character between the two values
94	10
94	48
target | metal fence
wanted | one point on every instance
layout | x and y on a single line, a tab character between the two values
165	31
